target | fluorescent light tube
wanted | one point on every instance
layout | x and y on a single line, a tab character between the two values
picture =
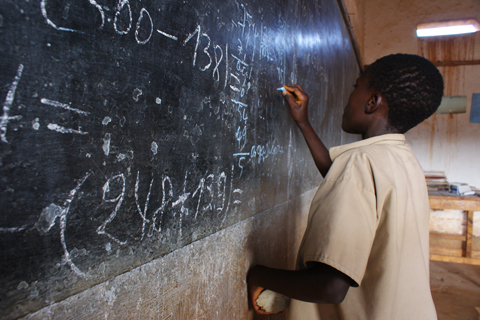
447	28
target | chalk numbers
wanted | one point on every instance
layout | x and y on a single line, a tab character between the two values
199	34
107	197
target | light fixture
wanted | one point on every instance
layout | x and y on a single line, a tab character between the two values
447	28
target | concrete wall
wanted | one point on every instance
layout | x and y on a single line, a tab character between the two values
204	280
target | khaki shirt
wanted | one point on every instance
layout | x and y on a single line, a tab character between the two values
370	219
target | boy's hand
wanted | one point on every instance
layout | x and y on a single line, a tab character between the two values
297	100
254	291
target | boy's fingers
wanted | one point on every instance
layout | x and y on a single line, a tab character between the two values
289	97
297	92
295	88
256	292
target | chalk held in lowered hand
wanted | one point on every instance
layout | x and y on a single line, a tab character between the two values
272	302
281	89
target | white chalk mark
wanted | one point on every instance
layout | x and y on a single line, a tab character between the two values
52	212
229	196
140	18
48	217
120	6
43	7
36	124
237	202
181	199
106	143
241	104
167	35
234	88
57	128
63	106
226	66
100	9
236	77
223	193
106	120
205	50
240	164
154	148
165	202
137	93
144	213
241	154
241	135
199	190
13	230
158	100
216	73
119	200
238	191
121	157
210	177
8	104
190	36
239	60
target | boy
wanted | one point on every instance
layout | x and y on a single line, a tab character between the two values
366	241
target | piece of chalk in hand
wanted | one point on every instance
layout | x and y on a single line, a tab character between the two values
281	89
272	302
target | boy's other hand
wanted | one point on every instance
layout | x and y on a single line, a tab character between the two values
297	101
254	291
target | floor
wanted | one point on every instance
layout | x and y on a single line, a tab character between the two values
455	290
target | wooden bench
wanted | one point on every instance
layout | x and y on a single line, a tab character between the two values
441	201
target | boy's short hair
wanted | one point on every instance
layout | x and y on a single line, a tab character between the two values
412	85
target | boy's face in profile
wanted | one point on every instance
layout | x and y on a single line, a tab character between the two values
354	118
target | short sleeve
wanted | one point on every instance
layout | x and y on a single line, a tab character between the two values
342	220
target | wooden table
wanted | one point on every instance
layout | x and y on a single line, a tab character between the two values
469	204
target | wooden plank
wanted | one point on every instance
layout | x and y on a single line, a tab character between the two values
456	63
450	252
448	236
436	257
456	203
468	246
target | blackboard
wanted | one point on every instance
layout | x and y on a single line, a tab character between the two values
132	128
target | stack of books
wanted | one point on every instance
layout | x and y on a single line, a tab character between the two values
436	180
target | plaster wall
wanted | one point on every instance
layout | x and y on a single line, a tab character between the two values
204	280
444	142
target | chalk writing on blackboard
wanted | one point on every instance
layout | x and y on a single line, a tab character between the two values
7	105
231	68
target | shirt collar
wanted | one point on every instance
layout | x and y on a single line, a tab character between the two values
391	138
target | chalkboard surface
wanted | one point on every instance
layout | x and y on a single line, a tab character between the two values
132	128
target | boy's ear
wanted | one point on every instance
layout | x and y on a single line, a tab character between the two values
373	103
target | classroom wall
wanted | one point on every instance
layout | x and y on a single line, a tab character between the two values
445	142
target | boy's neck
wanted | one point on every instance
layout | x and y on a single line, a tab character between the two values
379	130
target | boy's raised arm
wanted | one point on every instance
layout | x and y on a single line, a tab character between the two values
297	101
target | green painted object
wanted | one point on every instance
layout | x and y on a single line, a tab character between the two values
453	104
